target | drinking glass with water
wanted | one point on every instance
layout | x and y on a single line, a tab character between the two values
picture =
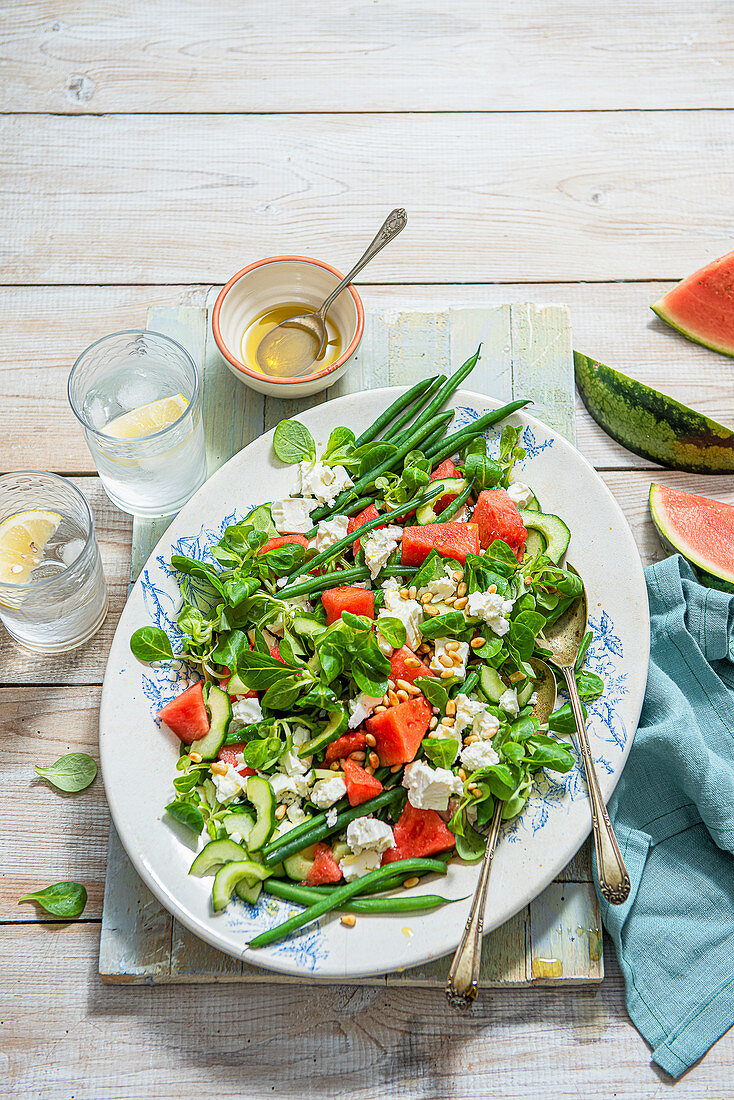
53	595
137	395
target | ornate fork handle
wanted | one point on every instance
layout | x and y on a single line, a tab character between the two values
463	981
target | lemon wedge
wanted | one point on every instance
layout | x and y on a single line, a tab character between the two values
23	538
148	419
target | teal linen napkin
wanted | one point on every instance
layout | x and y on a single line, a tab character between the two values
673	813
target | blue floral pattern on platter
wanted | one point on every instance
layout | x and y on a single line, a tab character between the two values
551	792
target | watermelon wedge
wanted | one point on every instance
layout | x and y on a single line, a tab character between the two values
186	715
700	529
702	306
418	833
399	730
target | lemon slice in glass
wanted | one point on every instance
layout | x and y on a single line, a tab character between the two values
148	419
23	538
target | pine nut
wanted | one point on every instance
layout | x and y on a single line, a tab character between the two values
411	882
391	684
516	677
379	709
457	660
395	768
451	708
349	920
448	722
457	575
218	767
471	739
195	756
385	701
462	775
473	789
358	756
404	594
451	646
392	698
413	592
461	603
405	685
431	611
445	660
374	760
402	695
370	739
412	662
475	643
413	690
492	588
335	766
369	769
433	723
450	600
447	674
462	589
280	812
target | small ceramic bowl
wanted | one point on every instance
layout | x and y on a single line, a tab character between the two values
285	279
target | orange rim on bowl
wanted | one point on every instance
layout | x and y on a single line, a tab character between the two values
240	366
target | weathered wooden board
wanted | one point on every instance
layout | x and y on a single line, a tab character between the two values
45	328
490	197
526	349
166	56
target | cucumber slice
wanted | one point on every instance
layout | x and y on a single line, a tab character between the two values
535	544
297	866
334	728
553	530
524	692
240	823
248	891
307	626
214	854
452	486
533	505
261	795
220	715
228	876
340	849
491	683
235	685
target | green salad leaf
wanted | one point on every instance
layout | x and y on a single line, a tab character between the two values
150	644
71	773
293	442
62	899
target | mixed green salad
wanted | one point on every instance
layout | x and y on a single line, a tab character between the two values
366	650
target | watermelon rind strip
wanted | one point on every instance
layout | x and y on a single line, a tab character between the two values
651	424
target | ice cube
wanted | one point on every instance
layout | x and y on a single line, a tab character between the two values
136	391
71	551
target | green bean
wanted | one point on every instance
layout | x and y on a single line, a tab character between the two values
343	894
358	505
360	532
456	504
341	577
459	439
295	840
392	411
445	392
585	643
396	430
469	684
349	495
302	896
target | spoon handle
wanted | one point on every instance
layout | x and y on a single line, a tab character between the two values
394	223
614	881
463	981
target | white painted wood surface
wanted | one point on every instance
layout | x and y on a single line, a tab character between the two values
639	192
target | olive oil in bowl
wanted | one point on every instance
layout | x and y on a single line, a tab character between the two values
268	319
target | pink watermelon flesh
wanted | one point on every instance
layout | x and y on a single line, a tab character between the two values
700	529
702	306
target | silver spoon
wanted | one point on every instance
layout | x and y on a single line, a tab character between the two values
563	639
298	342
463	980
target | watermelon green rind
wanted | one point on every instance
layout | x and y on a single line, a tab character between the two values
650	423
714	574
701	307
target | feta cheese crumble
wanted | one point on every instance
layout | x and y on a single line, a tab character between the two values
330	531
328	791
291	516
430	788
291	763
441	587
521	494
361	708
354	866
492	607
480	754
379	545
289	788
508	702
440	651
228	786
409	612
369	834
323	482
247	710
295	814
474	715
331	816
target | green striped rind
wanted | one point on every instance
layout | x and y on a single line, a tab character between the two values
650	423
708	573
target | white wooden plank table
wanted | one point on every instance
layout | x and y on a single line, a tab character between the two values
553	152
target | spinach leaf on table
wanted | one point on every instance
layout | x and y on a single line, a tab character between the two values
71	773
62	899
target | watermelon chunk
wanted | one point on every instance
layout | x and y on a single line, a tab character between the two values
702	306
228	755
498	517
399	730
275	652
283	540
399	670
452	540
444	470
700	529
325	868
361	786
344	745
360	601
359	520
186	715
418	833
